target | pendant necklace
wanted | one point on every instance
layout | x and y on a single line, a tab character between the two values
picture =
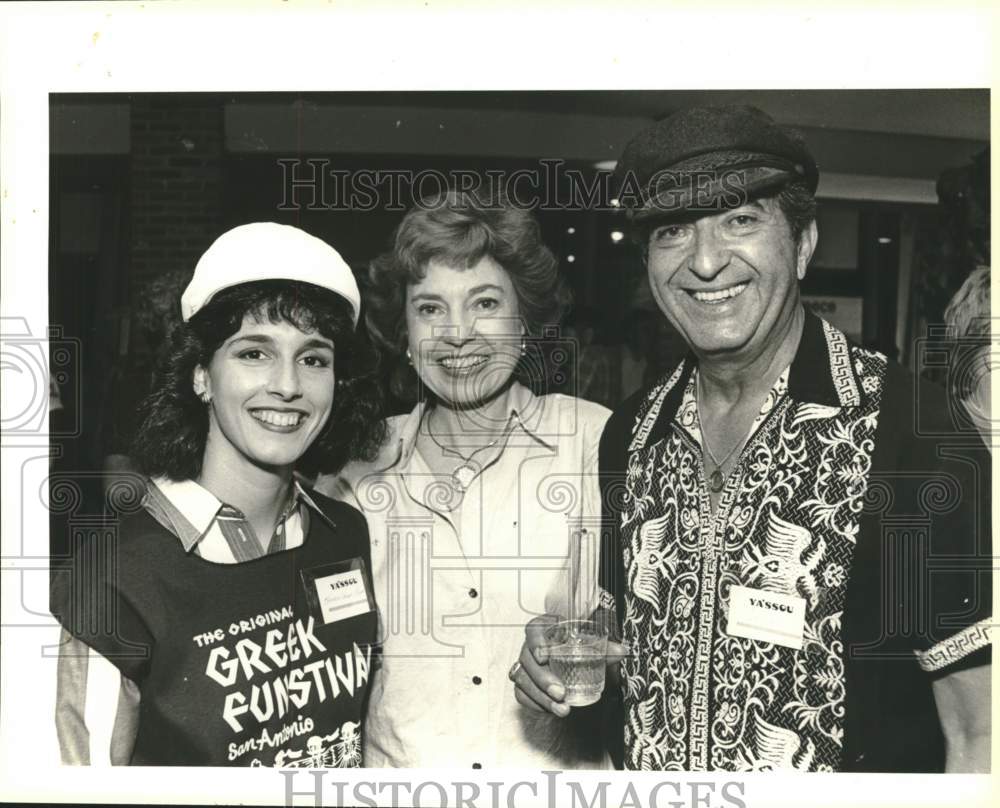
716	480
469	469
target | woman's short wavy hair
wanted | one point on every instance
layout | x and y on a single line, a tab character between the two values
171	441
458	229
968	313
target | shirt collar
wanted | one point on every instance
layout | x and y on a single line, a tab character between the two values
188	509
527	413
821	372
301	495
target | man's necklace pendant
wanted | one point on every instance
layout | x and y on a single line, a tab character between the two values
716	481
463	476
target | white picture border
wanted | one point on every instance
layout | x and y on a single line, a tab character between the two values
300	46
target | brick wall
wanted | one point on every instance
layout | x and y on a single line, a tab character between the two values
176	183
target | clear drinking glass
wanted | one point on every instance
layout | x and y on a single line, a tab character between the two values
577	650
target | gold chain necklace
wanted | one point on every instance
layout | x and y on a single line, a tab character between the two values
716	480
469	469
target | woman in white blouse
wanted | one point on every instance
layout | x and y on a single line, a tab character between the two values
483	506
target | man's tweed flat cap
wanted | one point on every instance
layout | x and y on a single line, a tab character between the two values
707	159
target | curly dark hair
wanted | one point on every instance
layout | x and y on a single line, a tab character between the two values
171	440
460	228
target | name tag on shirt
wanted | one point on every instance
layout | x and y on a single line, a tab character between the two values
338	591
766	616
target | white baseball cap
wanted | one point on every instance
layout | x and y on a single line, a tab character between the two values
265	251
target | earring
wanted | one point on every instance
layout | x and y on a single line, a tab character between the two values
524	346
205	397
409	356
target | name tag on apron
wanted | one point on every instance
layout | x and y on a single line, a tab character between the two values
766	616
338	590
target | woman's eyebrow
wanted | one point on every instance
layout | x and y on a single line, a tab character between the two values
315	342
263	339
475	290
485	287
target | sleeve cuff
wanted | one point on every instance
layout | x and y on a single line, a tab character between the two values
957	646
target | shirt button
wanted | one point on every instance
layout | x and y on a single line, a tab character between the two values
473	593
477	765
476	680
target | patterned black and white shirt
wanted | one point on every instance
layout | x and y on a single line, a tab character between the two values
853	493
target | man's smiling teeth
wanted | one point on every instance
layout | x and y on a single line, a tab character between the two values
277	418
462	362
722	294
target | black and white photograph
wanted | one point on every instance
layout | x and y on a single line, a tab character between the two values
432	438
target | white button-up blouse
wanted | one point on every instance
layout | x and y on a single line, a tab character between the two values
455	587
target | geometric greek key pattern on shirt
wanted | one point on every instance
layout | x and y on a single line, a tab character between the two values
700	718
654	402
955	647
840	366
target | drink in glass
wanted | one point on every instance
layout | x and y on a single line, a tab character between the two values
577	649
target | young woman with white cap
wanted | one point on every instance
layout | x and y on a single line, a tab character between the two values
236	605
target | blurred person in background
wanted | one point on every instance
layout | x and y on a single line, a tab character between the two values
968	315
595	369
156	312
640	340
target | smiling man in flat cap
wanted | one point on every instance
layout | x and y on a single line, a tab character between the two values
789	592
